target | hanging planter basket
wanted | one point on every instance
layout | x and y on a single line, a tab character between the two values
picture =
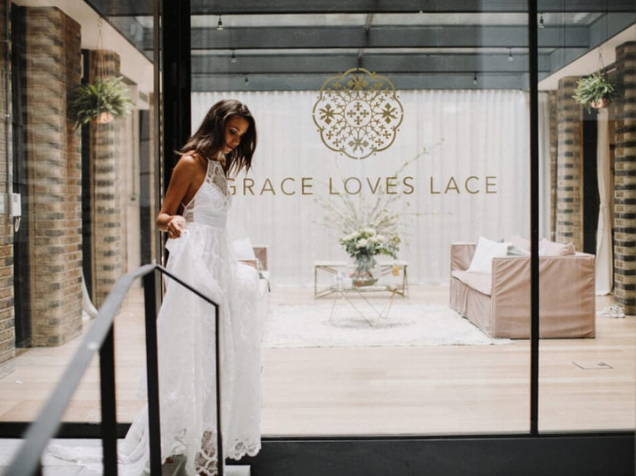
600	104
595	91
101	101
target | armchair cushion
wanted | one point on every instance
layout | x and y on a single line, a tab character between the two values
481	282
552	248
520	242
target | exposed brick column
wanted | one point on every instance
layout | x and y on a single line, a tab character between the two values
7	328
552	104
106	233
569	219
625	180
54	176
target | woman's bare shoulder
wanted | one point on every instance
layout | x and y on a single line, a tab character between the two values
189	164
189	160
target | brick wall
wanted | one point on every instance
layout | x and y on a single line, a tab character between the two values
552	104
7	329
569	219
107	242
54	176
625	179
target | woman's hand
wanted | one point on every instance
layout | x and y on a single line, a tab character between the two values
175	227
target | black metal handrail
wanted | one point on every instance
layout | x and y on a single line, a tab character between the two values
100	336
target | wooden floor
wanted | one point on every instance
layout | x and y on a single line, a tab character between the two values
381	390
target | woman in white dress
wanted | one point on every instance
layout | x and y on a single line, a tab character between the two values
194	214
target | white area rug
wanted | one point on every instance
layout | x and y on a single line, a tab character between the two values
314	325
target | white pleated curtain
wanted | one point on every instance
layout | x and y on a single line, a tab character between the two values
467	133
604	259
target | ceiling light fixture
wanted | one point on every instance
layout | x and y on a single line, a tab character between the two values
475	79
541	23
510	57
233	59
219	25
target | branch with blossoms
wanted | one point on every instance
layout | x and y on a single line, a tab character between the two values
360	217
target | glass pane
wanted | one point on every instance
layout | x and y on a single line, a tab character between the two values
587	284
83	183
373	126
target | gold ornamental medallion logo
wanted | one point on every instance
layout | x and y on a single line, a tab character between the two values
358	113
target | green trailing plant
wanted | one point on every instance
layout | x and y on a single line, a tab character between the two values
102	100
594	91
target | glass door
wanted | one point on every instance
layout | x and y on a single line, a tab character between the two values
389	194
587	275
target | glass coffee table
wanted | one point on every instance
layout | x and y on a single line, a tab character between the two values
335	276
361	308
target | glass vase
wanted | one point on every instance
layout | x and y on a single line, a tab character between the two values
363	274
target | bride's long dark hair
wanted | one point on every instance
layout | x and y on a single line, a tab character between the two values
209	139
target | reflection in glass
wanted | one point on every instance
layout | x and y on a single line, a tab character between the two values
78	181
587	368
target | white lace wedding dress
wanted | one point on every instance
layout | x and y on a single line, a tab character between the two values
186	335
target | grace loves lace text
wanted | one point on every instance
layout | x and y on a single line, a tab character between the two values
289	186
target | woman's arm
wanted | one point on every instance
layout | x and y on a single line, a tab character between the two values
184	173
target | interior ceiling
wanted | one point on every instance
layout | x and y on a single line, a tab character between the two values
294	44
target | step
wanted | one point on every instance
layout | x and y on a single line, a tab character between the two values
8	447
237	470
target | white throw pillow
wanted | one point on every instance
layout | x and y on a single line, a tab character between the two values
552	248
516	251
243	249
520	242
484	253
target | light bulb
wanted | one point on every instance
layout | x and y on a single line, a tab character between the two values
510	57
475	79
233	59
219	25
541	23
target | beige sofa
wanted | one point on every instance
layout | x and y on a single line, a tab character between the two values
499	303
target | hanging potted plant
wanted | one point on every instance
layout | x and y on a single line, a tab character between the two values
102	101
594	91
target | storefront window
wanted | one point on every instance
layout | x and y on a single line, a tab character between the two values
387	210
78	193
388	148
586	283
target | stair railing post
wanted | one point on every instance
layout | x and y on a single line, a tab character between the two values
108	401
150	283
219	432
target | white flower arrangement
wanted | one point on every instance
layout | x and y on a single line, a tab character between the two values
366	242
